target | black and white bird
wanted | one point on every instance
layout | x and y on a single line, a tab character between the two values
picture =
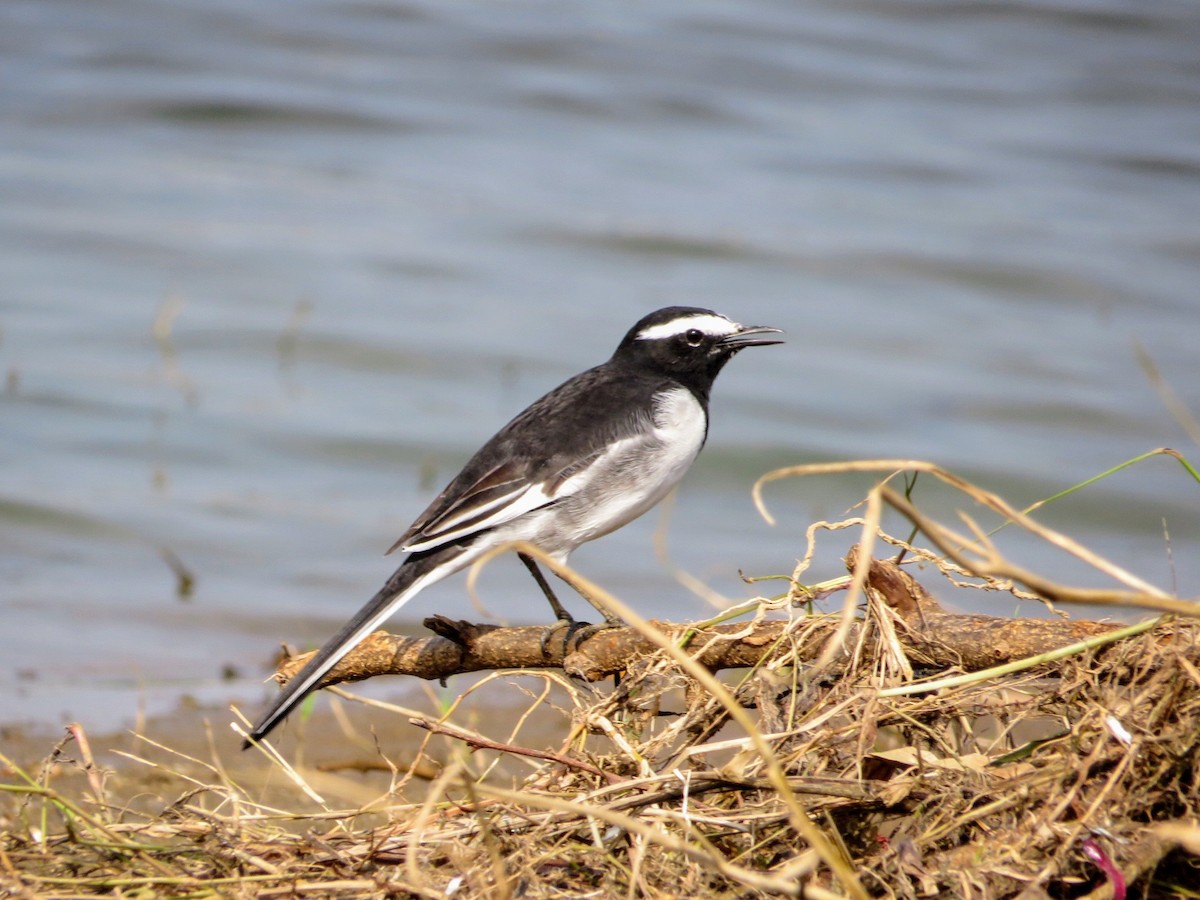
592	455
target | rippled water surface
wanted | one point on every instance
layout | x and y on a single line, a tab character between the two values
272	271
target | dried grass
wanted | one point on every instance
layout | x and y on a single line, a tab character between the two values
782	781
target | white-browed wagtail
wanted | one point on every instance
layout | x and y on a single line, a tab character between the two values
592	455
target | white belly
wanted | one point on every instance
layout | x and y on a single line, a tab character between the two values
629	479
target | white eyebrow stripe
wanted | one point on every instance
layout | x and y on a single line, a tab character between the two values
710	324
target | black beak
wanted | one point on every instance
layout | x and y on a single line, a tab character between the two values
745	337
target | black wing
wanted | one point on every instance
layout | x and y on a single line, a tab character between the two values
527	463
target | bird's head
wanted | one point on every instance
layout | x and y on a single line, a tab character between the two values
690	343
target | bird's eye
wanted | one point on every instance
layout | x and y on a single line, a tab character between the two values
694	336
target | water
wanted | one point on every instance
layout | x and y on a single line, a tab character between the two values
273	271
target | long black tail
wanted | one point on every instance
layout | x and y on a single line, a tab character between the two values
415	573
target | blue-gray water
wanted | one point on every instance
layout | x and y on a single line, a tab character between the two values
371	232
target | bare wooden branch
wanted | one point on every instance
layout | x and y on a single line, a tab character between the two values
928	633
938	638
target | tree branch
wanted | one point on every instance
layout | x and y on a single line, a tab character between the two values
927	632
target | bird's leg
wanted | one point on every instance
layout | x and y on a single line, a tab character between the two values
581	631
565	619
576	630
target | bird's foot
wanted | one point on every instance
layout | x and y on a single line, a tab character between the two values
585	630
576	632
570	627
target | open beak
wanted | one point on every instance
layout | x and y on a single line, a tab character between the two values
745	337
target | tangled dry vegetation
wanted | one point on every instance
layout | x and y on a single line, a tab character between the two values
863	771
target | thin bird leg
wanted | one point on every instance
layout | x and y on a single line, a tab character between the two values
576	631
564	617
